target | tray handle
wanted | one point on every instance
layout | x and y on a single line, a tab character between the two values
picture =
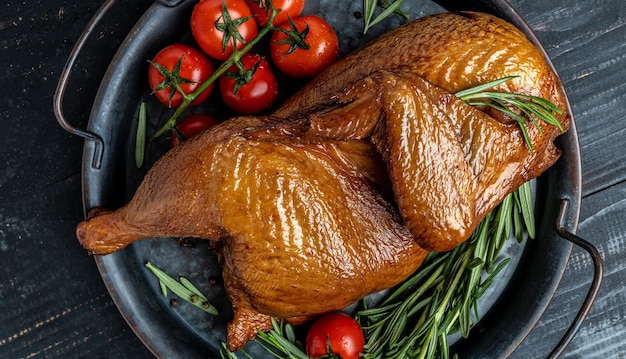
59	93
598	267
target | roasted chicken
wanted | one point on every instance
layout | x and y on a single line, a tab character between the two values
344	189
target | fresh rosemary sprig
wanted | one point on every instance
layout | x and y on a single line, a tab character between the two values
389	7
531	108
184	289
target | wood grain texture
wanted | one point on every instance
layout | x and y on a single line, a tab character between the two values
586	41
52	301
602	333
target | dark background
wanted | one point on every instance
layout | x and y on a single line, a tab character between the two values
52	300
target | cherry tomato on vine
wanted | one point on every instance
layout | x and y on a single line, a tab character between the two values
213	25
339	331
252	91
310	47
191	126
179	65
288	8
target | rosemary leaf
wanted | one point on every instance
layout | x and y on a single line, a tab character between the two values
500	106
475	263
225	353
492	274
443	345
369	8
140	139
476	90
163	288
504	224
187	284
524	194
518	227
290	333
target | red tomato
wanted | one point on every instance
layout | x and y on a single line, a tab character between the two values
340	331
209	26
288	8
316	49
250	92
191	126
194	69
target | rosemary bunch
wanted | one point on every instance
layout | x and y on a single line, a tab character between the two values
440	299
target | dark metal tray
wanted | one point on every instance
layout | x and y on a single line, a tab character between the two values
511	308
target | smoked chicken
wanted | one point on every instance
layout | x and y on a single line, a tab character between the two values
344	189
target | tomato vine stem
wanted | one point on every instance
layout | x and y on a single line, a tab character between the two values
234	59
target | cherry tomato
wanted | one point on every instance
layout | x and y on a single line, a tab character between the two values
310	52
210	29
194	69
288	8
340	331
252	91
191	126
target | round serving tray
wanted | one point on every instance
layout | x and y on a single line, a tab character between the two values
510	309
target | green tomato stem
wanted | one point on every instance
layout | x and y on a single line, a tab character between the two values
232	60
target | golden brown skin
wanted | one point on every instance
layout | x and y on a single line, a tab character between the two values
336	195
449	163
301	223
315	235
454	51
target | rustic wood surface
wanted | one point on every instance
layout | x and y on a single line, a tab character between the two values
52	300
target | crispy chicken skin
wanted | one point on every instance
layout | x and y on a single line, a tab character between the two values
449	163
304	228
454	51
344	190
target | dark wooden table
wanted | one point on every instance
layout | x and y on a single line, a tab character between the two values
53	302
